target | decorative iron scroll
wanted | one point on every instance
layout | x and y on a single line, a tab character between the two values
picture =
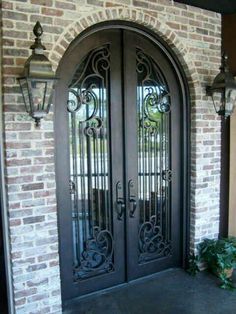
167	175
97	255
87	108
154	110
151	241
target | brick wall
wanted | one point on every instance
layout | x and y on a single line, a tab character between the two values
193	34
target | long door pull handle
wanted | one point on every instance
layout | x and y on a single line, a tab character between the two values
120	204
132	198
120	209
133	204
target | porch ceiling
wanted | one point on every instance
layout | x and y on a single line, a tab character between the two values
220	6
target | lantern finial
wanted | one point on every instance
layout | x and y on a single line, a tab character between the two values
224	63
38	31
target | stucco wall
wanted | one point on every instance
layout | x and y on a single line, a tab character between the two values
195	37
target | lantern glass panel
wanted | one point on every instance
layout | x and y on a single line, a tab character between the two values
37	92
25	94
218	100
48	94
41	91
230	102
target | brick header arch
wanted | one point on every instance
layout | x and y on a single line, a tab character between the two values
157	24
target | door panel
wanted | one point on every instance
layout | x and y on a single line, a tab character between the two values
118	174
90	191
89	164
152	92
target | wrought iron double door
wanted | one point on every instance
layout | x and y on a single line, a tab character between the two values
119	162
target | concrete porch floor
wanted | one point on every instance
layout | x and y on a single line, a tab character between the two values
169	292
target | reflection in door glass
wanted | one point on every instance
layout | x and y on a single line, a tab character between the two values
89	163
154	174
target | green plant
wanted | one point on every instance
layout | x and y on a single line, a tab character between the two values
193	262
220	256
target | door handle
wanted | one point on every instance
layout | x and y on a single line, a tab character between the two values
132	199
120	204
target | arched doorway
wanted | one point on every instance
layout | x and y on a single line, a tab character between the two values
121	159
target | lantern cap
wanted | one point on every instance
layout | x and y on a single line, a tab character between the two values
37	65
223	80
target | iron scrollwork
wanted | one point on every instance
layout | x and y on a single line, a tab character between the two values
167	175
87	107
152	242
97	255
154	108
157	98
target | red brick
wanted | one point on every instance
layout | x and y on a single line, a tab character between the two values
36	267
98	3
47	3
15	222
65	5
14	15
31	169
23	126
15	34
32	186
7	5
42	19
35	283
51	12
18	162
20	302
25	293
8	42
33	220
18	180
43	160
17	145
8	61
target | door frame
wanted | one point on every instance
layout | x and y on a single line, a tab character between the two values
185	114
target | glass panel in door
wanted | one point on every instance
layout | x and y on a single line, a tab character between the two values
89	163
151	112
154	174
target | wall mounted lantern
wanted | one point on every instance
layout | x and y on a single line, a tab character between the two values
223	90
37	82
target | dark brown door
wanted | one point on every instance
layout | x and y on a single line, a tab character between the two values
118	162
152	158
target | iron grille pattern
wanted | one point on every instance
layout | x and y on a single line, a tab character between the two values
87	107
154	174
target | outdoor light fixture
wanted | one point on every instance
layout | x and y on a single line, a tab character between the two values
37	82
223	90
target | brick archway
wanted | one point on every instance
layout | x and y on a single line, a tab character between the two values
156	24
